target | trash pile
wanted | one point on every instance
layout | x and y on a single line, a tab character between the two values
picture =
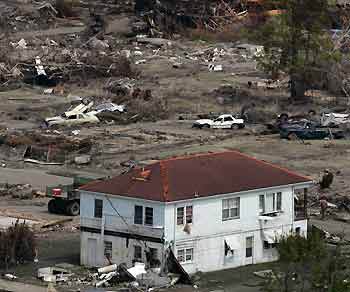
213	16
139	276
42	148
22	192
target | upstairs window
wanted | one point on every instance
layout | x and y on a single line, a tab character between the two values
184	215
138	217
98	210
188	214
270	202
230	208
141	218
180	215
148	216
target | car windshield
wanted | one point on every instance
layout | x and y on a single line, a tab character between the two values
218	120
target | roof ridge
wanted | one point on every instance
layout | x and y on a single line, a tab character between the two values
165	179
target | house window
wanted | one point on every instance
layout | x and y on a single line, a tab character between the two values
188	214
262	204
268	245
98	208
230	208
138	217
154	253
180	215
279	201
153	258
270	202
184	215
149	216
108	249
249	247
185	255
137	253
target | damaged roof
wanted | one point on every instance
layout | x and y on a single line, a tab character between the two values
196	176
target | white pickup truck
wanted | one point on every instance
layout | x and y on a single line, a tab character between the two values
222	122
73	116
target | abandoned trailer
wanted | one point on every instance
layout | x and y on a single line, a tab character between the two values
214	210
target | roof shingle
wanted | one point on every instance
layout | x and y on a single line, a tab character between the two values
199	175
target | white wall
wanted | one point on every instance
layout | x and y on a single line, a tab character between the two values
124	206
121	253
114	222
208	230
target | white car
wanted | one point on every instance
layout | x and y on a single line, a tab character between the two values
222	122
72	120
110	107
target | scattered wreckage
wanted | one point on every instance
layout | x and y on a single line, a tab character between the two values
138	276
334	119
222	122
72	120
80	114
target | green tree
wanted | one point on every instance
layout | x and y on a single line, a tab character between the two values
298	42
308	265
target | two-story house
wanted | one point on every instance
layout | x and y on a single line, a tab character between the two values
214	210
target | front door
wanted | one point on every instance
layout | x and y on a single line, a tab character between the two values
92	252
249	250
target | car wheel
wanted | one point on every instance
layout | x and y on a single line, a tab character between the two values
206	126
73	208
234	126
241	126
52	206
292	136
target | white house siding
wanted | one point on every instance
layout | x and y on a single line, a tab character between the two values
208	230
121	253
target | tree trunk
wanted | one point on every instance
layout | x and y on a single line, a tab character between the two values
297	87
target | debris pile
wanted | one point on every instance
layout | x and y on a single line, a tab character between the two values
43	148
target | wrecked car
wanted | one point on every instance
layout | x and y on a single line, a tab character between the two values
109	107
72	119
307	131
334	119
222	122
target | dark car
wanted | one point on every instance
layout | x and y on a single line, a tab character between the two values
307	131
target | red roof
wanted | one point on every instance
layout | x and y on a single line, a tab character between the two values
195	176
